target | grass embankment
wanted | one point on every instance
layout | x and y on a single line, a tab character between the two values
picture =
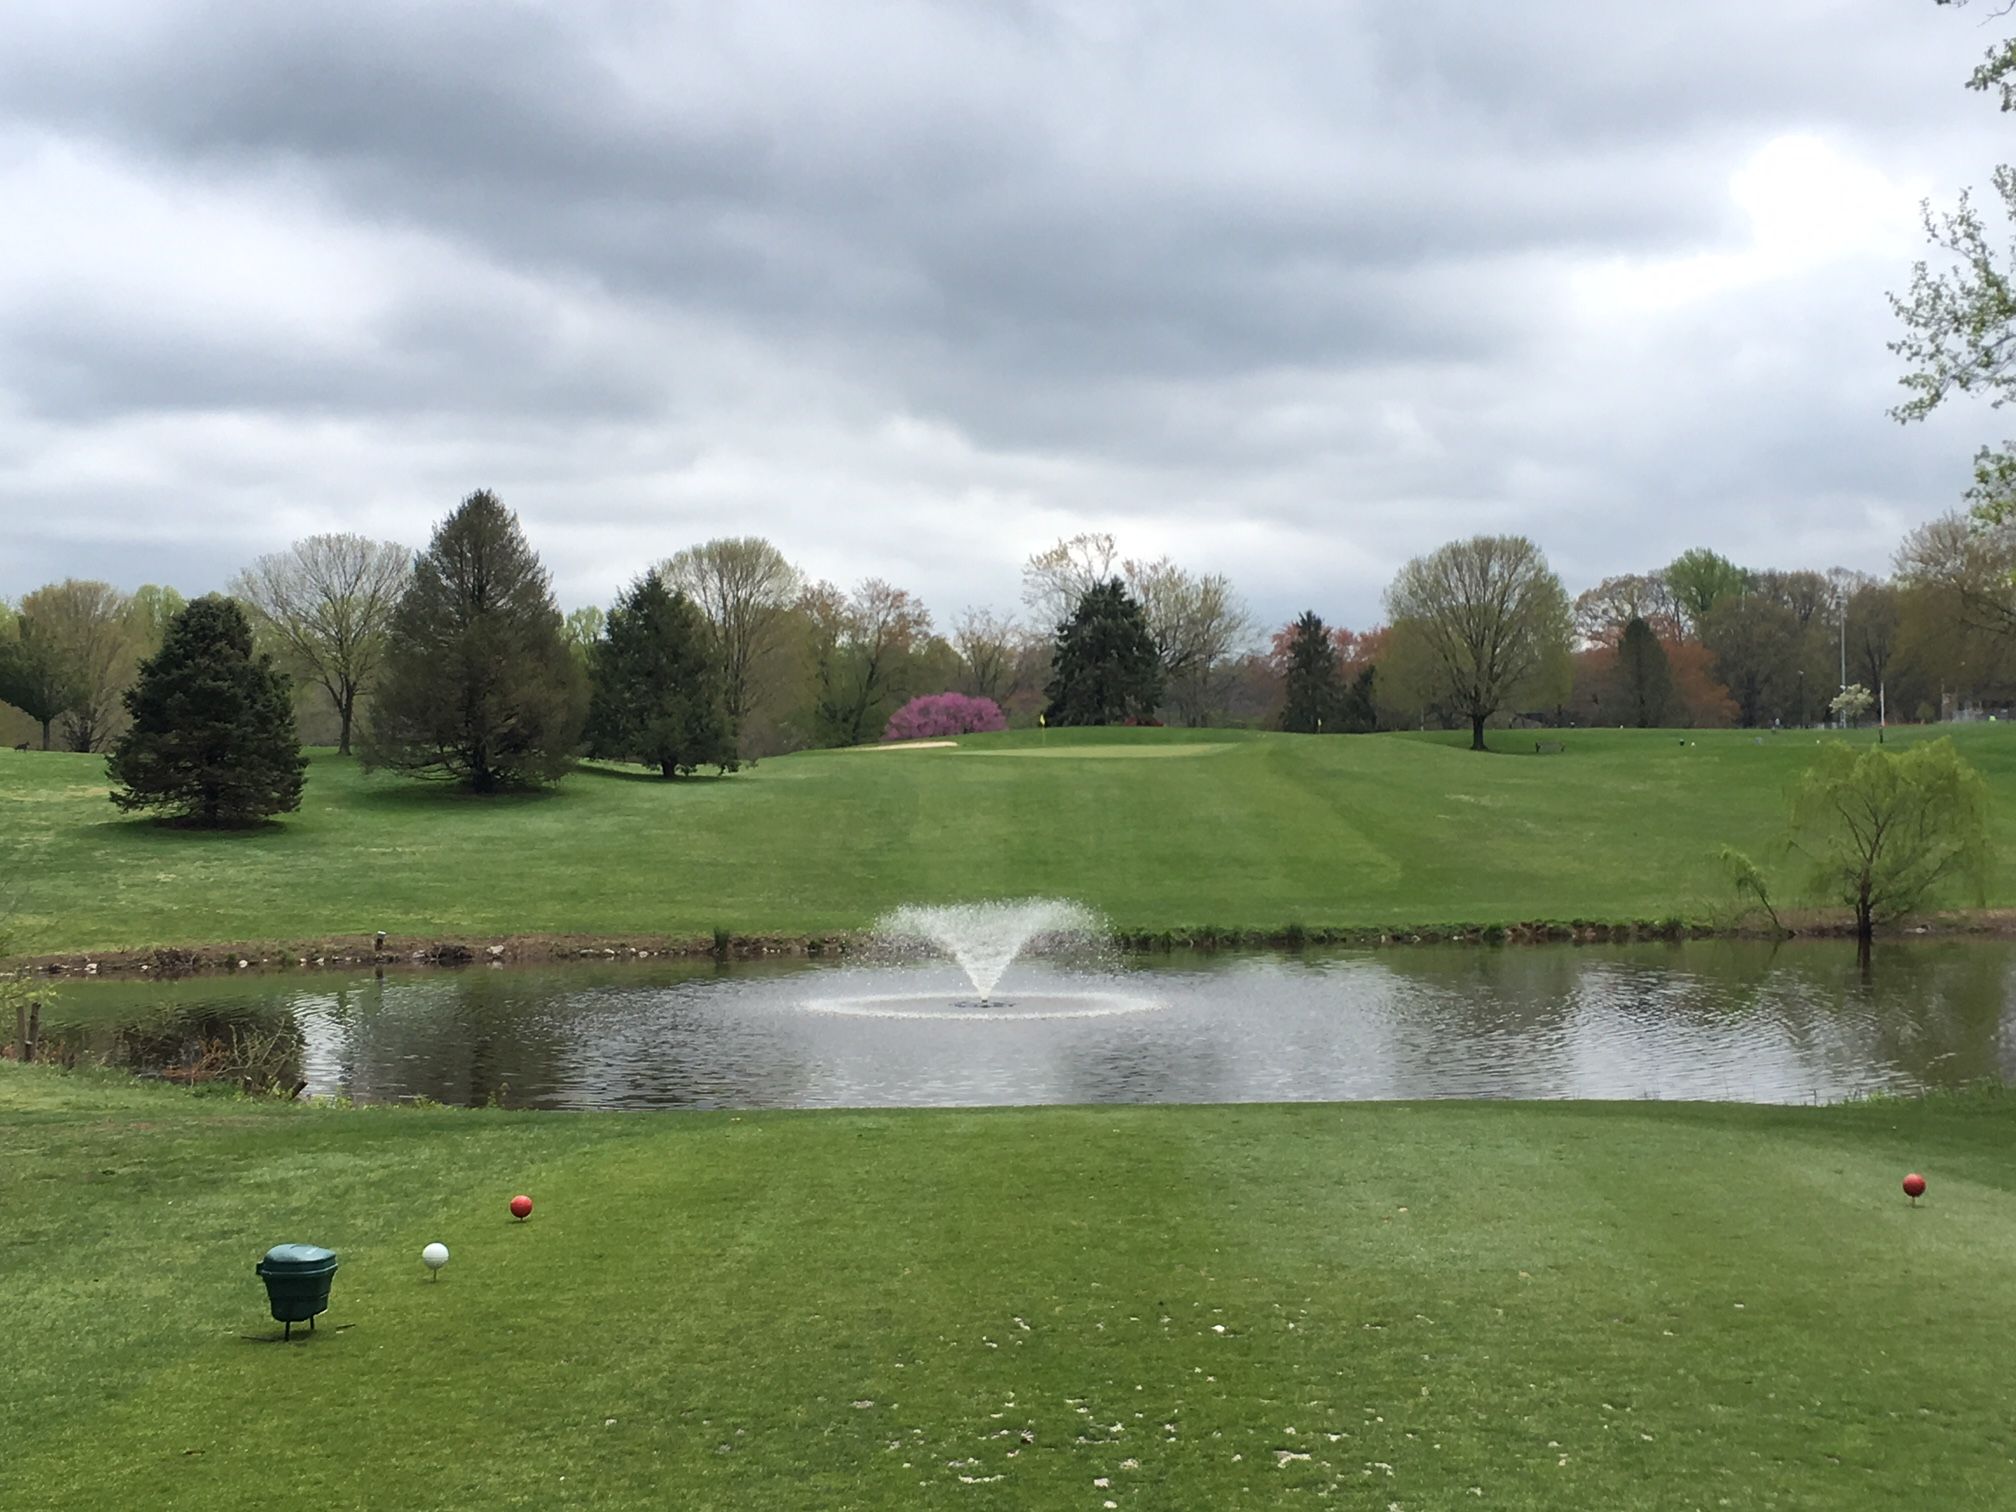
1243	832
1526	1306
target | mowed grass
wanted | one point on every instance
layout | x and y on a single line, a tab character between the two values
1514	1306
1270	830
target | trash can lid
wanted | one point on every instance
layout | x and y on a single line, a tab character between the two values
298	1257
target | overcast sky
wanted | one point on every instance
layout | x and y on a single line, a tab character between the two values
1292	289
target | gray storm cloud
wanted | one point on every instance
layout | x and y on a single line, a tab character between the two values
1291	291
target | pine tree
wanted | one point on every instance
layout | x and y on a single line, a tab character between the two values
478	685
1310	681
212	738
1646	674
656	685
1104	669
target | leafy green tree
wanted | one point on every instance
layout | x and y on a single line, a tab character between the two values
583	627
1960	320
35	675
1756	643
655	684
1479	626
87	625
148	612
212	735
1309	681
1103	667
478	684
1645	674
1700	579
1884	829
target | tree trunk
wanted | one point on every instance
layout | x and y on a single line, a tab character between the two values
45	732
346	706
1477	732
1865	922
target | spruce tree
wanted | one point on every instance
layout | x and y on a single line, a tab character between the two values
212	738
1104	669
1646	673
655	685
1310	682
478	685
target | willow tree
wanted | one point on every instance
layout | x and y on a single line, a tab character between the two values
1480	626
1885	830
479	685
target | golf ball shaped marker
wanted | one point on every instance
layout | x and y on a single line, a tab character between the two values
434	1256
521	1207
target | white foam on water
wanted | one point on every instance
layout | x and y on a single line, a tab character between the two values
1077	1005
985	938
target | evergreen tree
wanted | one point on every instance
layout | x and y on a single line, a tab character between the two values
1645	673
656	684
1310	681
212	738
478	685
1359	711
1104	669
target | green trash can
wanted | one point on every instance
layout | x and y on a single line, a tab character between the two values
297	1278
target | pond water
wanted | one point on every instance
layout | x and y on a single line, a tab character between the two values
1716	1020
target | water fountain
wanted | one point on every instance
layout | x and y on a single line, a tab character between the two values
983	940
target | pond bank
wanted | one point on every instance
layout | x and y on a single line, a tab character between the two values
466	949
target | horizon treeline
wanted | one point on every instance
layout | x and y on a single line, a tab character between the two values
793	662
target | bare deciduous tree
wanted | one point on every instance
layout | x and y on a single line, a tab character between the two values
1197	624
1602	612
990	648
746	589
1053	581
869	640
326	602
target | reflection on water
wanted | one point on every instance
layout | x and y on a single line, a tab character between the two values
1739	1020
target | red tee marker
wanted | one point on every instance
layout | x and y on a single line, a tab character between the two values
1914	1187
521	1205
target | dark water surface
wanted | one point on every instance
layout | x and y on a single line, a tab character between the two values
1725	1020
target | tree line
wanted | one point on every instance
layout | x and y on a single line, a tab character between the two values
766	660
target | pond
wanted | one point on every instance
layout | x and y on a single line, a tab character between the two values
1708	1020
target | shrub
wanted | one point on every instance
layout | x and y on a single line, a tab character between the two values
939	714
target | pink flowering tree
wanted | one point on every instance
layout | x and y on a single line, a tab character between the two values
939	714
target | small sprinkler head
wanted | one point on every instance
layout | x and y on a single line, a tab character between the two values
521	1207
434	1257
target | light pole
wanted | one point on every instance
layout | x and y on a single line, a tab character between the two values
1802	698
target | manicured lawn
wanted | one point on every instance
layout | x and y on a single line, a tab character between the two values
1264	831
1445	1305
